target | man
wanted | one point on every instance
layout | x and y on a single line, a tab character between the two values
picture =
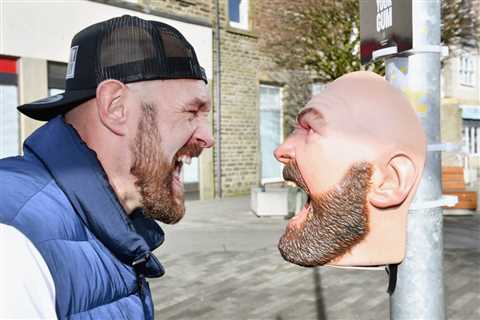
358	152
79	207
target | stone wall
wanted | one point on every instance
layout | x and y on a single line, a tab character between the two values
239	107
244	66
451	130
188	8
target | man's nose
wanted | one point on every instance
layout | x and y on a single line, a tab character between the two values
203	136
285	152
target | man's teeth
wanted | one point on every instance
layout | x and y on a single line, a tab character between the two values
185	159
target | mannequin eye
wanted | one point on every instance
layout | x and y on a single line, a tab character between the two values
192	115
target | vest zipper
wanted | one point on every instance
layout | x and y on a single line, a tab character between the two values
141	293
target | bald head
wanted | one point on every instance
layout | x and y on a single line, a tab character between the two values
366	106
358	151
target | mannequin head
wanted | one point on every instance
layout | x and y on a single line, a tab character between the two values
358	152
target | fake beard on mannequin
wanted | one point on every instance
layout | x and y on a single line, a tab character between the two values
334	220
158	179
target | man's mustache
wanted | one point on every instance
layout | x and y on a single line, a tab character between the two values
191	149
291	172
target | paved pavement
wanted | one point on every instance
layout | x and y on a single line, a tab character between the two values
222	263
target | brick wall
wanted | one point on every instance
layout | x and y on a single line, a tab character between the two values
244	67
189	8
239	121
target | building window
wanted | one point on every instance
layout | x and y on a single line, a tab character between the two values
467	70
56	77
238	13
271	131
9	121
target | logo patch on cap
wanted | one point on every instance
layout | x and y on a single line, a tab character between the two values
50	99
71	63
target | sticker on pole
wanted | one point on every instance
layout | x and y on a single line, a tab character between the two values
385	28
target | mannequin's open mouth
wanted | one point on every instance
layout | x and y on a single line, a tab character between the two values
301	215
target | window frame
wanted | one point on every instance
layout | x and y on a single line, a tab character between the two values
280	88
245	9
467	70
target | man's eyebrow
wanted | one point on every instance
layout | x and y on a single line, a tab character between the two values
309	111
199	103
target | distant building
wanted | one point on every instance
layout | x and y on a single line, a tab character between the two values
255	93
35	43
460	112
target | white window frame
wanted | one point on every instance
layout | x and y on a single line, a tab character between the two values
275	179
243	12
467	70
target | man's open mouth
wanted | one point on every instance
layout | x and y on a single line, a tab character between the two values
184	156
178	166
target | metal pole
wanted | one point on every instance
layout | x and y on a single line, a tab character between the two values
420	288
218	78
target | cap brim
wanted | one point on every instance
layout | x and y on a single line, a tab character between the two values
48	108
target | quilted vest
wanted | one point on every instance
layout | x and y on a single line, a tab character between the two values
58	195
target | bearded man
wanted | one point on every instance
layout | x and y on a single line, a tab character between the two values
358	152
78	209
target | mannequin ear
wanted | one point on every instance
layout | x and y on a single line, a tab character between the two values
392	186
110	106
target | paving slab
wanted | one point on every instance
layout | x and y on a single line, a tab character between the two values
222	263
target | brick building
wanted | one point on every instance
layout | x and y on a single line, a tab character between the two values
255	94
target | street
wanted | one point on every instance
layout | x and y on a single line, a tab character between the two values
222	263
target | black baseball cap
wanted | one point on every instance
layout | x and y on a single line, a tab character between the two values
127	49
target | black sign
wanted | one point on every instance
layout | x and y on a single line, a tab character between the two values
385	28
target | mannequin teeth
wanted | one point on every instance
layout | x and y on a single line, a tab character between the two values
291	184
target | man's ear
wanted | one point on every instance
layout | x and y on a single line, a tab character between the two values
391	186
110	106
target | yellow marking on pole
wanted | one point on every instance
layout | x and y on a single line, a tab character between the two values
414	97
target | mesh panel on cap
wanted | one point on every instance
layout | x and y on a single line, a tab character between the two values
131	49
179	57
128	51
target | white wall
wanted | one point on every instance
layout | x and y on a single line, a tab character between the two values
44	28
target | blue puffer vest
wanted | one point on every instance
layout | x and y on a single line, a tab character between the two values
58	195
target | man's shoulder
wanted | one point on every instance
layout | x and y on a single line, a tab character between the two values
29	197
21	180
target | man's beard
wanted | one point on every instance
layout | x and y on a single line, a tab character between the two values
155	174
337	219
